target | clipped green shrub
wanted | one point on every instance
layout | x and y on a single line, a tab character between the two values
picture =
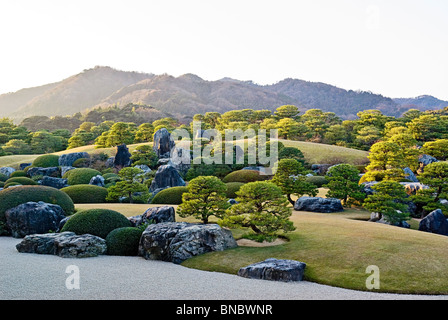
97	222
3	177
111	179
123	241
2	184
18	173
80	175
86	193
81	163
318	181
11	184
21	180
46	161
244	176
12	197
169	196
232	188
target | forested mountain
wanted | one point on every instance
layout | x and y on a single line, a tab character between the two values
422	103
187	95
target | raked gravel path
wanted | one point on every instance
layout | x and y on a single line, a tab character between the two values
43	277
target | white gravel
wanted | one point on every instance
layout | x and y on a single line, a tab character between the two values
43	277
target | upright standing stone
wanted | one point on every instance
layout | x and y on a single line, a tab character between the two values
122	158
163	143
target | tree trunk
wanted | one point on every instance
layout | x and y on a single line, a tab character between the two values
289	199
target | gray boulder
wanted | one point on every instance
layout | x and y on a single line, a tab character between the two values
67	160
50	172
65	245
22	166
57	183
7	171
33	218
154	215
322	205
178	241
65	169
409	174
435	222
367	187
166	177
425	160
163	143
97	181
275	270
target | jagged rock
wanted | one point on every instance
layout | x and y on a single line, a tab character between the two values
163	143
413	187
315	204
166	177
7	171
22	166
320	169
57	183
367	187
275	270
65	169
50	172
178	241
67	160
110	162
423	161
409	174
180	159
435	222
232	202
154	215
122	157
65	245
97	181
33	217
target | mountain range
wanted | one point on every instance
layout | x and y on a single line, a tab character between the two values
187	95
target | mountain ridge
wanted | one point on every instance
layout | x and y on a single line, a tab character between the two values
189	94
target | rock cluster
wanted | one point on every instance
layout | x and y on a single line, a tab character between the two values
33	218
65	245
315	204
177	241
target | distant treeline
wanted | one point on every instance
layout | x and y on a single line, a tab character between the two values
133	123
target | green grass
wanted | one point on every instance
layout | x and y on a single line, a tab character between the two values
313	152
328	154
337	249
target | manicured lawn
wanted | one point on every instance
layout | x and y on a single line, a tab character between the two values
337	249
323	153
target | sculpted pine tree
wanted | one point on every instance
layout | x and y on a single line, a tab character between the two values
206	197
343	183
261	207
291	179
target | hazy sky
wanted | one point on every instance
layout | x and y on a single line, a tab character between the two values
398	48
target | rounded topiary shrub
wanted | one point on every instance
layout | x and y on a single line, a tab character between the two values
46	161
21	180
11	184
18	173
12	197
97	222
169	196
86	193
244	176
80	175
123	241
318	181
232	188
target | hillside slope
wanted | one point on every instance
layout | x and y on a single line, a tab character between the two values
187	95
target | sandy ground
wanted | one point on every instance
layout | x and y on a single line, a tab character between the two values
43	277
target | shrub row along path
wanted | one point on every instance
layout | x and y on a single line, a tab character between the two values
43	277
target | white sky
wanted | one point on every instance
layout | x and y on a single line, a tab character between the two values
398	48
